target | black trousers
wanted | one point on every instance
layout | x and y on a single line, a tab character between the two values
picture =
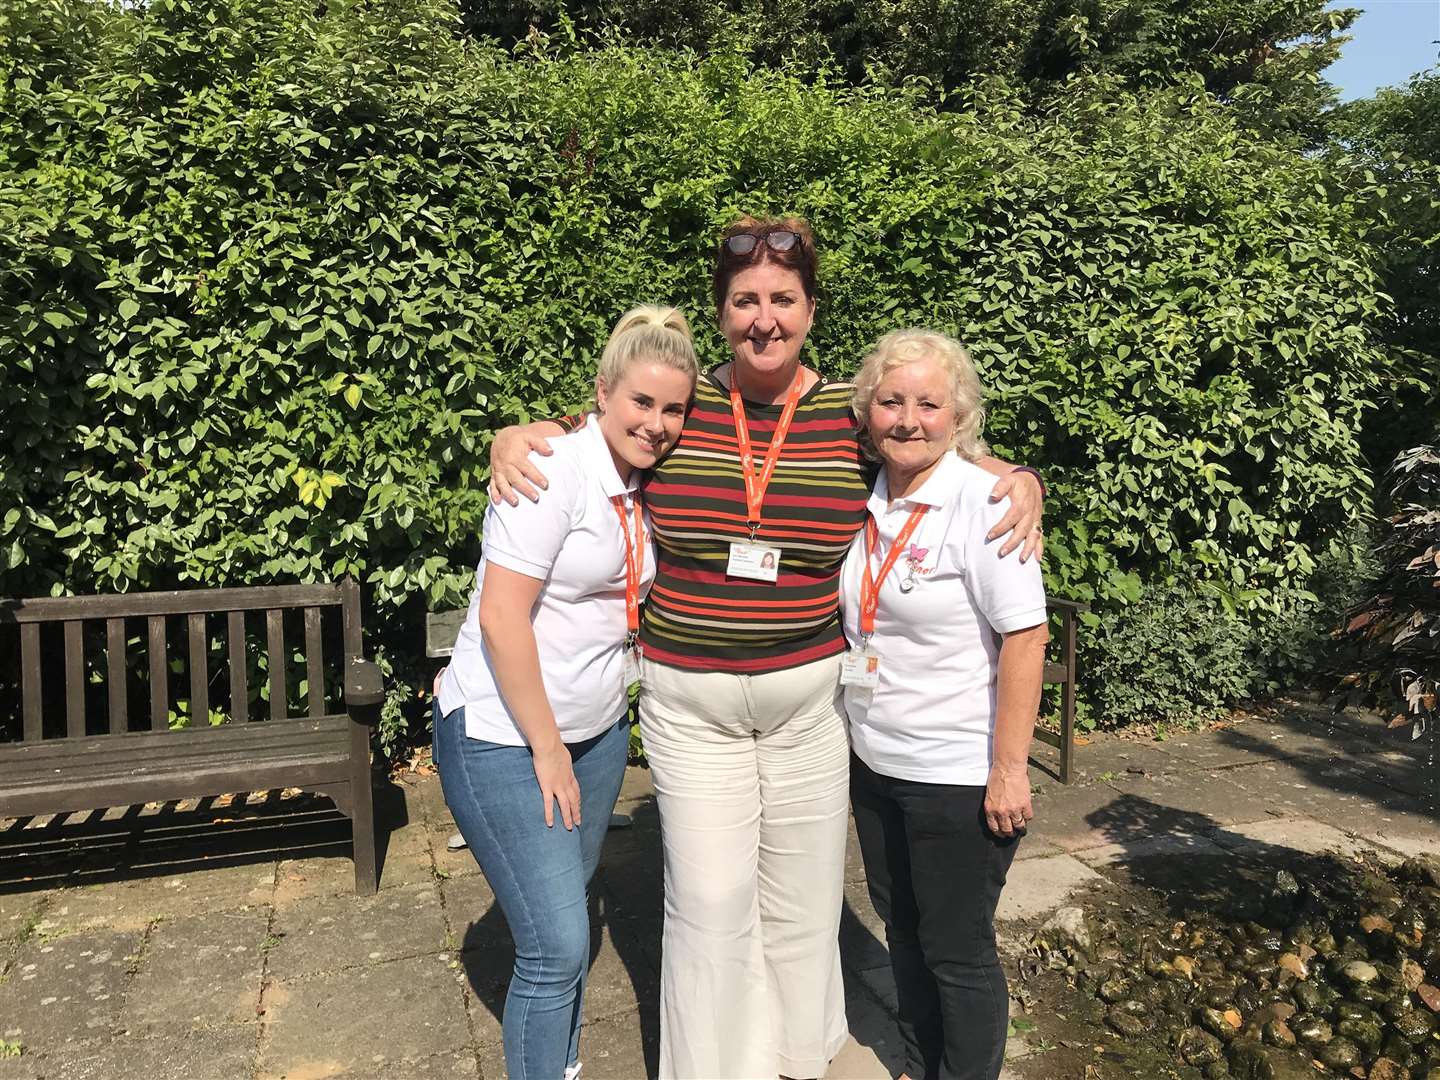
935	874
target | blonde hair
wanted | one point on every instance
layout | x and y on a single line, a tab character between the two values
901	347
648	332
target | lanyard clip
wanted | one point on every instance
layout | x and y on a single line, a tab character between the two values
754	528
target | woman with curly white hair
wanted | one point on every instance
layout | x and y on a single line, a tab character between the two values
942	685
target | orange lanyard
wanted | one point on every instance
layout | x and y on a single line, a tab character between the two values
755	487
870	586
634	561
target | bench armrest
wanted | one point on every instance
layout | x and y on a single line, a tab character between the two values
363	684
1061	604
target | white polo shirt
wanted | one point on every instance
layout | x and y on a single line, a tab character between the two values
932	716
572	541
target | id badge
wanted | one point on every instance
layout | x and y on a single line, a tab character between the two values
759	562
861	667
630	663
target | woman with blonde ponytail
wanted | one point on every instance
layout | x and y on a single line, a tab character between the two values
531	724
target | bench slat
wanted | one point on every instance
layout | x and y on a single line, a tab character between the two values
30	681
314	663
115	675
183	602
140	752
159	675
74	680
165	780
1056	673
239	672
199	670
275	660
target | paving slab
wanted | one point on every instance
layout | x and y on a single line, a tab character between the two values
333	932
1304	836
453	1065
618	1049
1063	817
862	932
1107	757
216	1054
622	972
1171	843
200	971
1036	887
447	863
1292	790
66	990
873	1051
131	904
472	914
1187	802
633	885
362	1018
427	793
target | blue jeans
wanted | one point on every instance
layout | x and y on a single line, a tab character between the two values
539	876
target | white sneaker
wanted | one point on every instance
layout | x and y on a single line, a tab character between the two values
455	843
573	1072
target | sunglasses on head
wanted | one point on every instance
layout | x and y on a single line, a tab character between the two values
775	239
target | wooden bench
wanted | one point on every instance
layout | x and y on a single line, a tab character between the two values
88	757
1062	673
442	626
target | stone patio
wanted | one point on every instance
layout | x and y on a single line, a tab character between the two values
223	940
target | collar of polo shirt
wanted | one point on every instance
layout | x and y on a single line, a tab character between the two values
937	490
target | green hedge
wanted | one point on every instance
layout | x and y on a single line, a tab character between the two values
272	272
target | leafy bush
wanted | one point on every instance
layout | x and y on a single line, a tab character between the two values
1184	652
1394	637
272	272
1176	655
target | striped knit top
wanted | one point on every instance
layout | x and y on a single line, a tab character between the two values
698	618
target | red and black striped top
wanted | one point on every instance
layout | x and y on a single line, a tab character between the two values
695	616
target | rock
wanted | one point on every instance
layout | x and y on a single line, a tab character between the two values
1312	1031
1414	1026
1275	1010
1370	923
1278	1033
1423	868
1068	927
1310	997
1184	965
1364	1033
1294	965
1387	1069
1359	973
1217	1070
1116	988
1233	1018
1215	1022
1411	975
1339	1054
1430	995
1348	1010
1249	1060
1198	1047
1127	1021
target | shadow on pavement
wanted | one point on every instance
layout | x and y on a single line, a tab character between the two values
97	846
1338	754
1192	863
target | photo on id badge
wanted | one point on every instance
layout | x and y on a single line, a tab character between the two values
759	562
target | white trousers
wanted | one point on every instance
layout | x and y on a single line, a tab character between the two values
751	775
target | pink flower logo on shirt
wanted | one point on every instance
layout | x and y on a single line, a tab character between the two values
914	556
